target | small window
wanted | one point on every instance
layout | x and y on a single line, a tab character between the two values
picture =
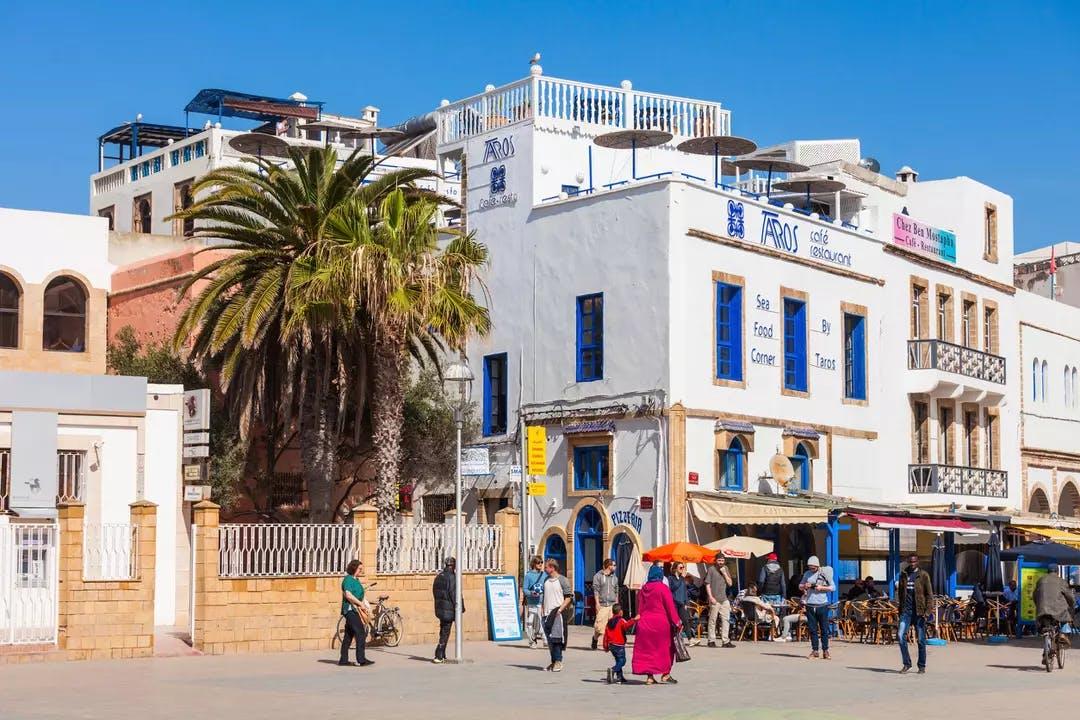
990	438
854	357
800	463
109	214
64	326
1067	386
1035	380
590	337
728	332
920	311
142	214
921	414
591	467
1075	390
944	331
733	466
971	449
10	301
795	345
990	232
1043	381
989	330
970	330
495	394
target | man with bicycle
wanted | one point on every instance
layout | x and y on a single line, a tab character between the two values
1054	602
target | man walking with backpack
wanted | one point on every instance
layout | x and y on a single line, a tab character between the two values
771	581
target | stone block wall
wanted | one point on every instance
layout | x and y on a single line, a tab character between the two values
285	614
106	619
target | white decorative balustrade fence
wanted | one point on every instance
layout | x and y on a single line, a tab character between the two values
299	550
28	583
576	102
424	547
110	551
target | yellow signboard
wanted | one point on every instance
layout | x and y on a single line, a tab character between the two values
537	450
537	489
1029	577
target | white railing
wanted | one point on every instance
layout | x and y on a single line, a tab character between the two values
28	583
71	474
424	547
267	551
110	551
110	182
578	102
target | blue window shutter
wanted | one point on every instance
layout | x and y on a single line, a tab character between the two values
728	331
794	344
591	468
487	395
590	337
495	394
859	361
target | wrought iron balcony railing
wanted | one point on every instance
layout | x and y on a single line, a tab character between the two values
957	480
950	357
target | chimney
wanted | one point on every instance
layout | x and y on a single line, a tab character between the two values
371	113
907	175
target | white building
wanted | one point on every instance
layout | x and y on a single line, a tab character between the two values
68	431
673	335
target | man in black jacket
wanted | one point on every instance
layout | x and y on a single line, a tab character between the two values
443	591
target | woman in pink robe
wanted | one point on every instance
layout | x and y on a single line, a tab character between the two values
654	640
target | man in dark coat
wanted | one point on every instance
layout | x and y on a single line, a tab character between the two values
915	595
1054	601
443	592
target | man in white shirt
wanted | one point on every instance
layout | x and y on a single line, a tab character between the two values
556	607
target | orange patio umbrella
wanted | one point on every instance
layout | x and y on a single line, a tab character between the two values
680	552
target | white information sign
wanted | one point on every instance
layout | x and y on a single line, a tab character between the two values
196	438
503	618
197	409
475	461
196	451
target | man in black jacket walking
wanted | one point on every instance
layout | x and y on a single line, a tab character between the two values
443	591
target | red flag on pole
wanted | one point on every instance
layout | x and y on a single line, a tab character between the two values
1053	261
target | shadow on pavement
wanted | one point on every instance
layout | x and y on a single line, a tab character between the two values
888	671
526	667
1021	668
788	655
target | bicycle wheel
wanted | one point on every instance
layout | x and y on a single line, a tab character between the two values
392	628
1048	652
339	634
1060	656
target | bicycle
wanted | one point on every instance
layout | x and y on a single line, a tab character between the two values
1053	650
386	625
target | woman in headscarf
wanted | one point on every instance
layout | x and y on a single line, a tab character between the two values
654	644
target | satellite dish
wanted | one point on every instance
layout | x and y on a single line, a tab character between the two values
870	164
781	471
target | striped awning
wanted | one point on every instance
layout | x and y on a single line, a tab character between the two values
740	513
591	426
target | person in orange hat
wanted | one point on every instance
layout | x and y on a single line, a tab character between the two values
772	581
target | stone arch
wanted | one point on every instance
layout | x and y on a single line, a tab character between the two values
1039	503
618	530
1069	499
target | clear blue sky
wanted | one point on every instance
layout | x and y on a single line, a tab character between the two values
984	89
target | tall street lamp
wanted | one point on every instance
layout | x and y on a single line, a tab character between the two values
458	380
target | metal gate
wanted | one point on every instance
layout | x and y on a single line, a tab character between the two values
28	583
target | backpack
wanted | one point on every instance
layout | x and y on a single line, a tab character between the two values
774	583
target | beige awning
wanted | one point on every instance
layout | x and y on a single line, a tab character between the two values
737	513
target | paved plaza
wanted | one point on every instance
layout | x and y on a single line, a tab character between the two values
754	680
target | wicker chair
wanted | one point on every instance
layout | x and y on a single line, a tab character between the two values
754	620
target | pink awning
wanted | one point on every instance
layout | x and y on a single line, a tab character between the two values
898	522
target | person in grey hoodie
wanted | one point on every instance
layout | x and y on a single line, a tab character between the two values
605	587
772	581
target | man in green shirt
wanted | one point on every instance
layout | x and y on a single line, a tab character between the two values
352	600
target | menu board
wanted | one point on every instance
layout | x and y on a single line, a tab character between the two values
1029	576
504	622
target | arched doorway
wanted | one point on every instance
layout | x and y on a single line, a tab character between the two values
588	554
622	550
555	549
1039	503
1069	501
800	463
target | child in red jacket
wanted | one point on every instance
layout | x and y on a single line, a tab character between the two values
615	642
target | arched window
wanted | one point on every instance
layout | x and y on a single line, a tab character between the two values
1067	386
1075	390
555	549
733	466
9	311
800	463
64	326
1035	380
1042	389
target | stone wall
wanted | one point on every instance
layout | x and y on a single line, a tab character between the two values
106	619
285	614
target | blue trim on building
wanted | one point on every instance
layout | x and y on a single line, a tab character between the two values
729	332
495	394
590	337
795	344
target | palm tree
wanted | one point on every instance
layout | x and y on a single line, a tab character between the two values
276	356
413	281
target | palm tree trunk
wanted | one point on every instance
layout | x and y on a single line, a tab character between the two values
318	441
388	418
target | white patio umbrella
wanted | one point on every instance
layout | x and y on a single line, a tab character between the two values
742	547
635	571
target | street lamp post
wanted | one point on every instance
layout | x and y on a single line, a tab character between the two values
458	379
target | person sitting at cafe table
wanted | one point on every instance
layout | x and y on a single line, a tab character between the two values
1011	597
764	609
791	620
856	591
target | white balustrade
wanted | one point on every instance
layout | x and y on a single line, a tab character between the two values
110	182
424	547
28	583
71	475
293	550
110	551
